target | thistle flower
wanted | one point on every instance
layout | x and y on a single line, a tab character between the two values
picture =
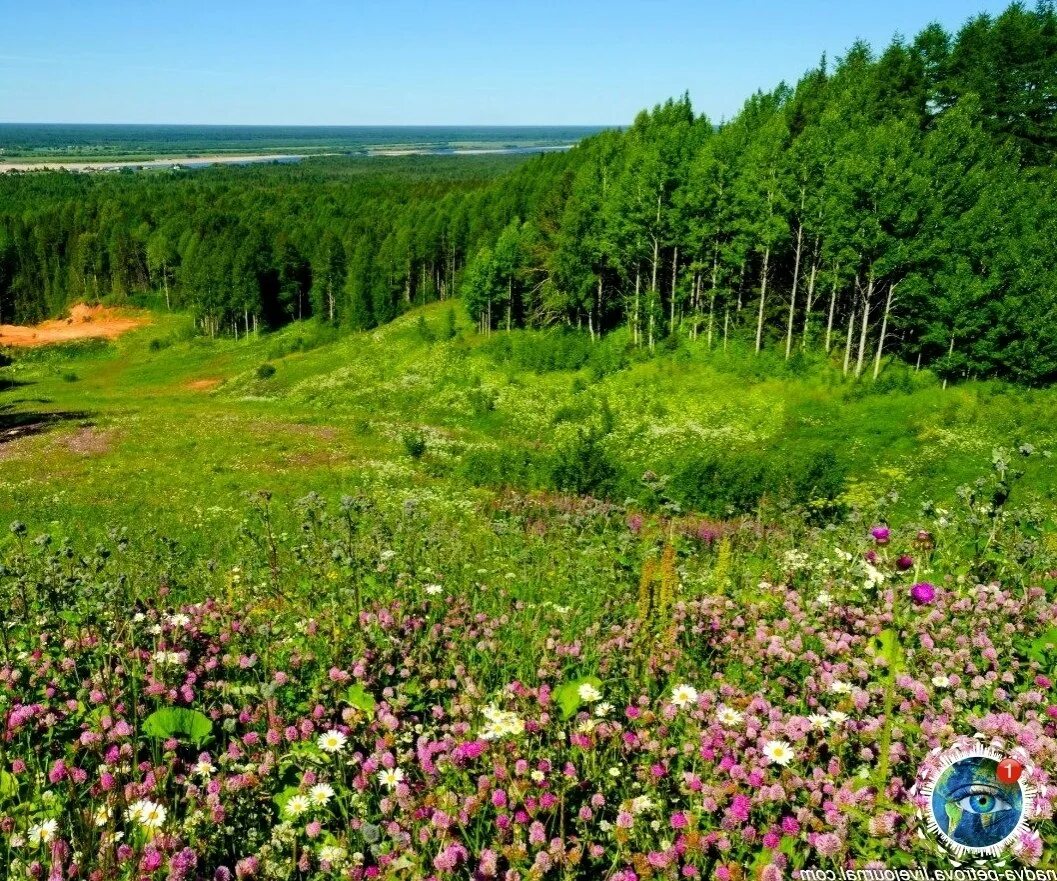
923	593
881	534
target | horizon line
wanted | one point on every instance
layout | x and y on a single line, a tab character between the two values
333	124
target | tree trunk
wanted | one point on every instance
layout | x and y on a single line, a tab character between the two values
792	296
763	298
884	330
810	302
950	352
726	325
635	334
847	341
675	277
865	324
509	302
712	298
165	283
832	306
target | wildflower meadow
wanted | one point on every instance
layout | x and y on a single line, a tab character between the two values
578	690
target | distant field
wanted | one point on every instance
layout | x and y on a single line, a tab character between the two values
113	143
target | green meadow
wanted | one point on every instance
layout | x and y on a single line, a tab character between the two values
170	431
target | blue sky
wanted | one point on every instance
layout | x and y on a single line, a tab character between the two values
392	62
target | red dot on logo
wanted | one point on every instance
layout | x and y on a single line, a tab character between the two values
1009	770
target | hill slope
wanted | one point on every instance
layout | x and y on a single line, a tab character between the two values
167	429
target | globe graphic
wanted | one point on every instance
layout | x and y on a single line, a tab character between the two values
972	807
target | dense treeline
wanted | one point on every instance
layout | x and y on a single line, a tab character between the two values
904	203
894	203
352	241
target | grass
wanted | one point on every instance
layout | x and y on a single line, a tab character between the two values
171	431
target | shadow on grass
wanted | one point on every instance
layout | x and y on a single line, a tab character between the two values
15	424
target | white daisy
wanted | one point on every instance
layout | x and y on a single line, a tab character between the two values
321	793
839	687
43	833
778	752
203	768
941	681
728	715
148	814
332	741
684	695
837	717
819	722
390	777
296	805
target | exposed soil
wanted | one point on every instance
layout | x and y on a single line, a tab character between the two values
84	322
87	441
203	385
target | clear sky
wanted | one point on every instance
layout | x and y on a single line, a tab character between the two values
393	62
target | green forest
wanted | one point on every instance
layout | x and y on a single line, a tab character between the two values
893	203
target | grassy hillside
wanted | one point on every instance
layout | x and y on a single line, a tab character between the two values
637	685
166	429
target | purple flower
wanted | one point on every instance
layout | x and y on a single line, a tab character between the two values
923	593
904	562
881	534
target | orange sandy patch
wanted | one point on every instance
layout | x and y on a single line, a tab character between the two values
203	385
84	322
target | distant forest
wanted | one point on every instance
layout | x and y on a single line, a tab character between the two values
902	203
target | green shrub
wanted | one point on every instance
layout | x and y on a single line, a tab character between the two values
502	467
266	371
414	444
69	376
423	331
583	466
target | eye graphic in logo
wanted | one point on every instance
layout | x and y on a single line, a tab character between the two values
977	802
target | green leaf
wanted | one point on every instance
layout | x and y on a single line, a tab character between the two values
1044	646
567	695
360	698
886	644
282	797
177	721
8	786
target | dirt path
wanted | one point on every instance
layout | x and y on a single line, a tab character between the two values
84	322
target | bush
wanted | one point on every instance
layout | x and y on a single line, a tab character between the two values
719	483
265	371
414	444
69	376
5	360
423	331
502	467
583	466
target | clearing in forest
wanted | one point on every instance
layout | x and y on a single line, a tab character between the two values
83	322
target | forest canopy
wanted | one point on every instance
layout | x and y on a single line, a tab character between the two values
894	203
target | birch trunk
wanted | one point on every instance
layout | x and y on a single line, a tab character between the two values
865	324
832	307
884	331
763	298
792	295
